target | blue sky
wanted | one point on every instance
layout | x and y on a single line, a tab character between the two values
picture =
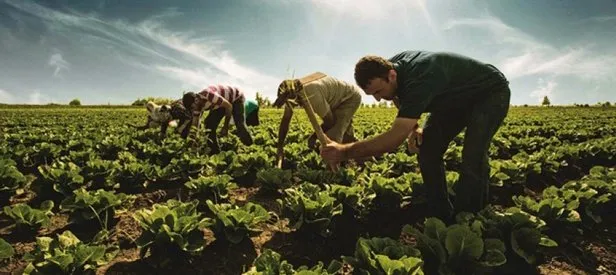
113	51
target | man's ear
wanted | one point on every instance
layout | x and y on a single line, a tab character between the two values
392	76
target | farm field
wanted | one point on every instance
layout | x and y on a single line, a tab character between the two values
83	191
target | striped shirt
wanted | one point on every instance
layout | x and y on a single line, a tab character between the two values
211	97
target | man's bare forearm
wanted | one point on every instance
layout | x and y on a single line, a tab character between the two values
375	146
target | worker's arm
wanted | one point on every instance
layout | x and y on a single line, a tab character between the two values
282	132
163	129
328	121
228	113
376	146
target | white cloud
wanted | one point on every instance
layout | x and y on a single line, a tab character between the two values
6	97
38	98
177	53
523	55
57	61
544	88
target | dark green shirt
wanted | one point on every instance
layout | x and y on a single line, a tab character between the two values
441	81
250	106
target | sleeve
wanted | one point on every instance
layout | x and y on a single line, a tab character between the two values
418	89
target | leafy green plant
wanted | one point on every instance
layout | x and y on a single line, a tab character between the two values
274	179
6	250
64	176
30	219
66	254
184	167
271	263
552	208
310	209
356	199
101	205
522	233
235	222
384	256
318	176
98	172
245	164
13	181
391	193
213	187
456	249
171	230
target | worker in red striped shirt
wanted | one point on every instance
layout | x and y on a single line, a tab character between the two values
219	100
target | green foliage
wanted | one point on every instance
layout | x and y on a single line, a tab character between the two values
213	187
80	158
157	100
271	263
30	219
171	227
546	101
384	256
99	205
309	208
75	102
6	250
66	254
235	222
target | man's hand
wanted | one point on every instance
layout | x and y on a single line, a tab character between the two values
334	152
225	131
414	141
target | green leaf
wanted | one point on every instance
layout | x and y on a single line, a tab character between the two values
6	250
524	242
462	242
494	244
493	258
435	228
547	242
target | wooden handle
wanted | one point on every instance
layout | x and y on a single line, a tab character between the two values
312	77
317	128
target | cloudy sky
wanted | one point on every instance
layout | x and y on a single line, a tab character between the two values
115	51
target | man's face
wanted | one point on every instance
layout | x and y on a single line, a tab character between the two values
381	88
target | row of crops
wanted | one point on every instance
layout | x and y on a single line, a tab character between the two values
83	191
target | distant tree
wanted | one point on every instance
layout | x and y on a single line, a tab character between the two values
546	101
263	101
75	102
525	105
157	100
607	104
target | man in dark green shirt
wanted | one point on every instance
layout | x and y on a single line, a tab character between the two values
459	92
252	112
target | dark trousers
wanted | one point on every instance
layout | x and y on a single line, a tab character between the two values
252	119
481	120
213	120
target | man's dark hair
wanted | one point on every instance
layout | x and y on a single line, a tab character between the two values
370	67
